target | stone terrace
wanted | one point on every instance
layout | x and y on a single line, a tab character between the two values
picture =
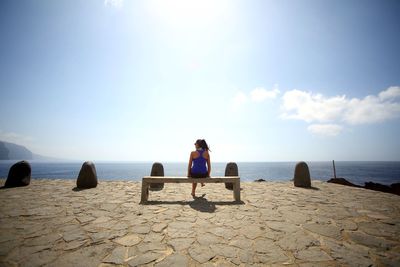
48	223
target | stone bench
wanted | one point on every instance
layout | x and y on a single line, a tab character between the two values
147	180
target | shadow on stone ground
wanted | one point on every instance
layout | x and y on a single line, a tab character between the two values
199	203
310	188
8	187
77	189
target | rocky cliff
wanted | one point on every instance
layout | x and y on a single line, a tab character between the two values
10	151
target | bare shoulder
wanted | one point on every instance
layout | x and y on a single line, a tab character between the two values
206	154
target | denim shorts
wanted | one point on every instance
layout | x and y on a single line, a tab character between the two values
198	175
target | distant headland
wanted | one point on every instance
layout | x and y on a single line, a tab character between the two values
11	151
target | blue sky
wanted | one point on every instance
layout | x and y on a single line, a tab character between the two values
259	80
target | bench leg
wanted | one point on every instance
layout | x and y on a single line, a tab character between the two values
236	191
145	192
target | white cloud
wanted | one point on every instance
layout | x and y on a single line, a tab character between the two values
389	94
260	94
325	129
317	108
312	107
114	3
239	100
371	109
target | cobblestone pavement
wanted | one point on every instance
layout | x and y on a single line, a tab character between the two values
50	224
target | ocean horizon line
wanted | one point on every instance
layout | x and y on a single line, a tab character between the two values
358	172
167	161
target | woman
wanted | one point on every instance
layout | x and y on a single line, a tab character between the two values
199	163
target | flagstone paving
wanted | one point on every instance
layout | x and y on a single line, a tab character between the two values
49	224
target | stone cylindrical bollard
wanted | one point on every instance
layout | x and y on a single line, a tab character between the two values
302	175
87	177
19	174
231	169
157	170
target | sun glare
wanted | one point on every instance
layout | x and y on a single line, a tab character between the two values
186	13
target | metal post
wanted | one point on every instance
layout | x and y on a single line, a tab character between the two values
334	169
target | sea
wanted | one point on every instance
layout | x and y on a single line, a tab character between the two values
357	172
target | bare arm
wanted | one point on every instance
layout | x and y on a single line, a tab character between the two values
209	166
189	165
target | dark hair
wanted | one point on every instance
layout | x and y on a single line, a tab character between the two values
203	144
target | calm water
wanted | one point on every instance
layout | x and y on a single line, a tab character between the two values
357	172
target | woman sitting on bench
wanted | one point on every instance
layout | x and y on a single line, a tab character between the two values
199	163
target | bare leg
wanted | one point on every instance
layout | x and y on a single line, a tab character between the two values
202	184
194	185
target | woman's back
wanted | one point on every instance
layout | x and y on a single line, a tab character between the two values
199	162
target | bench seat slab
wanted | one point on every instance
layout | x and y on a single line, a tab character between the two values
147	180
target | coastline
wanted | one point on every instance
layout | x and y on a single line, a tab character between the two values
356	172
48	223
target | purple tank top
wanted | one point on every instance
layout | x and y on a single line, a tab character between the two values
199	164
